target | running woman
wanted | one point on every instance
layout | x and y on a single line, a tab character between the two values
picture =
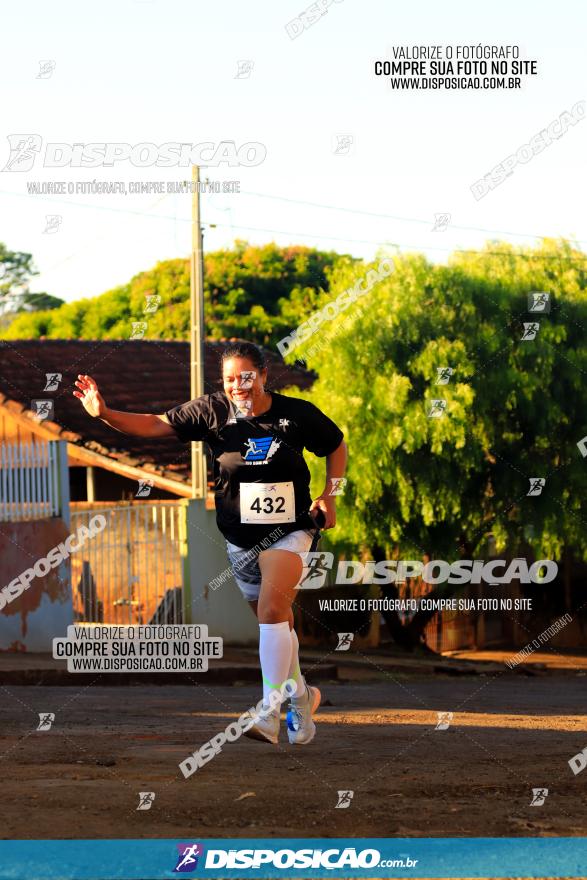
263	504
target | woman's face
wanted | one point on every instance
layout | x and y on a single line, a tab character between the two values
243	382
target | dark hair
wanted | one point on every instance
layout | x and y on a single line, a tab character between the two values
245	350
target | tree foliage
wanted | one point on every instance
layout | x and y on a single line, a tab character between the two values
16	269
515	409
250	291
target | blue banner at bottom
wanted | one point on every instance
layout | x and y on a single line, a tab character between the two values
377	857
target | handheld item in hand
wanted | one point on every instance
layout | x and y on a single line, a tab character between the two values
320	521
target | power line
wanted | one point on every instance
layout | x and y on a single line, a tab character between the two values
415	247
187	220
343	209
338	208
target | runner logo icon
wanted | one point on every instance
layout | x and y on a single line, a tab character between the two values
261	448
316	567
539	795
187	860
23	151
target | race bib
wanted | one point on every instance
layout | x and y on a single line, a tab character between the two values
267	503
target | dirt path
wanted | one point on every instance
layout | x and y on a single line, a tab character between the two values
378	739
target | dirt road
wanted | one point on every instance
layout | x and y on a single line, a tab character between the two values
378	739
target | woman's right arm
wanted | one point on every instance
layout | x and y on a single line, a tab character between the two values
138	424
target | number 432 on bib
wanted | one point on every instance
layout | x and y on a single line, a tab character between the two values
267	503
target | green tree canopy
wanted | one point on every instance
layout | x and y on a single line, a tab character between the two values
16	269
457	486
514	409
250	291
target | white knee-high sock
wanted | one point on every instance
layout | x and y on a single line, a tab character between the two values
275	655
294	667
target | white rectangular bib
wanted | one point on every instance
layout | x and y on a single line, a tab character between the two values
267	503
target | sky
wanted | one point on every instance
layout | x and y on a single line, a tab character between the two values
147	71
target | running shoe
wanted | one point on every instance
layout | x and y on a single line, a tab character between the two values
266	727
300	725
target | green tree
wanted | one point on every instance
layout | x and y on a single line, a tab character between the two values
16	269
256	292
37	302
439	487
260	291
27	303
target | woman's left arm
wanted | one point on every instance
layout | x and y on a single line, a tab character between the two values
335	468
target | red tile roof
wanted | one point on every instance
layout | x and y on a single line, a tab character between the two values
141	375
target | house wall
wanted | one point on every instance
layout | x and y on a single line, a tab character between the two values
223	610
12	431
44	610
109	486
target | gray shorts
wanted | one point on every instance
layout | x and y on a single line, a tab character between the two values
245	563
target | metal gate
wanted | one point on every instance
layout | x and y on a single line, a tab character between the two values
30	478
131	572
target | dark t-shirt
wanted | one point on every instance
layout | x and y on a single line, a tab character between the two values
260	475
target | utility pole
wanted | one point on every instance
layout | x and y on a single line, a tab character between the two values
199	475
